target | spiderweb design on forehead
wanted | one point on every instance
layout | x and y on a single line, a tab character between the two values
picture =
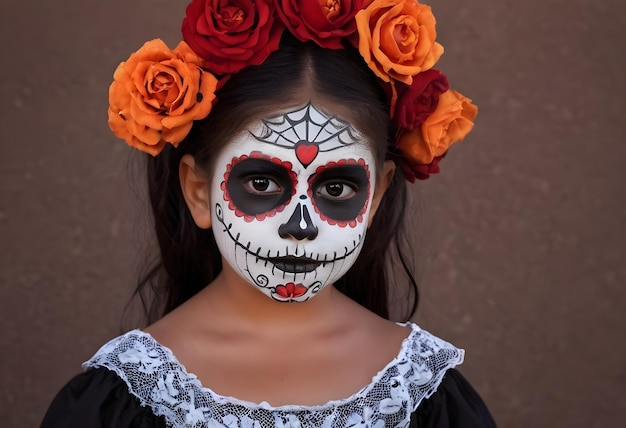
308	131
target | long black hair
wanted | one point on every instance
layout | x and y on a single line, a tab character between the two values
189	257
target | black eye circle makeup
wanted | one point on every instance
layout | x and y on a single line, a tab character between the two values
340	191
257	185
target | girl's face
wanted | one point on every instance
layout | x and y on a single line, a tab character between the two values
291	199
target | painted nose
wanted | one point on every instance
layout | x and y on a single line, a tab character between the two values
299	225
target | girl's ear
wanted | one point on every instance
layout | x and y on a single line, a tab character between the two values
383	182
195	188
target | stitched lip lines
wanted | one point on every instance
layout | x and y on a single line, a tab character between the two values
290	263
296	264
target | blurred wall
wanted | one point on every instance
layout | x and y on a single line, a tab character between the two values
521	237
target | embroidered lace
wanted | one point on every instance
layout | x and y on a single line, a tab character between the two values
154	375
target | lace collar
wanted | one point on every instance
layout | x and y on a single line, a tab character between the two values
154	375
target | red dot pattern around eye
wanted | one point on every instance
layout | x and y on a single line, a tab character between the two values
331	221
257	155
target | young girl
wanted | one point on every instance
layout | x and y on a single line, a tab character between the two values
281	135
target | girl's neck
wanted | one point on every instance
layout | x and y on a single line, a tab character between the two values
232	299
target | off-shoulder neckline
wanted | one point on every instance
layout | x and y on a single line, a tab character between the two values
157	379
219	398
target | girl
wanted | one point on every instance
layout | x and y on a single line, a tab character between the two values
281	135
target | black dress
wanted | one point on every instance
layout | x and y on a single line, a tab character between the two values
110	394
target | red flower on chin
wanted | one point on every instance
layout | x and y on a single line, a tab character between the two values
290	290
230	35
326	22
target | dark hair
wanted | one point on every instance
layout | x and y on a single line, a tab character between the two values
189	257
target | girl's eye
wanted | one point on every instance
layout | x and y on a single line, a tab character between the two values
336	190
262	186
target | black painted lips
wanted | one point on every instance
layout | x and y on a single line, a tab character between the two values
295	264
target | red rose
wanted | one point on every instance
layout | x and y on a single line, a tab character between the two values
325	22
416	102
232	34
420	171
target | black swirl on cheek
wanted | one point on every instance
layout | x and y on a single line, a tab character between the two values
261	281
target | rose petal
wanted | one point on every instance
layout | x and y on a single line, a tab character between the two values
176	135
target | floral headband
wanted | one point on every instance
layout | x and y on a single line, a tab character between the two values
159	92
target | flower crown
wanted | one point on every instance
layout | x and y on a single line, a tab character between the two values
159	92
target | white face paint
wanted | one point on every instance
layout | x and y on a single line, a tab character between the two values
291	202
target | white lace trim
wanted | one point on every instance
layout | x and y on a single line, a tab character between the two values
154	375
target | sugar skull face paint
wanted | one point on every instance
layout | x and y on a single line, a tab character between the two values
291	199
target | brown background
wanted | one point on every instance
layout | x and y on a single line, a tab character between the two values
522	236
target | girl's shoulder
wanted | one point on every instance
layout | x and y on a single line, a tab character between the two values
99	398
152	375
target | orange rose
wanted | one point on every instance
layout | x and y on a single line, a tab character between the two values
157	94
451	121
397	38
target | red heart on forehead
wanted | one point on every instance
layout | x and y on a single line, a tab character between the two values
306	152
